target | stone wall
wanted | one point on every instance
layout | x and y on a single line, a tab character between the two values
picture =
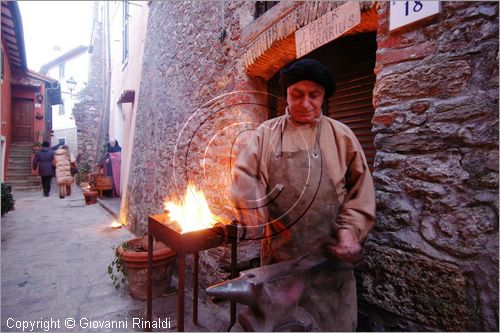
433	260
188	117
89	109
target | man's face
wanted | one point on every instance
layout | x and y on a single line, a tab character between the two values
112	143
304	101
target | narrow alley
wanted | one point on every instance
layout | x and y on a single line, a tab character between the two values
55	255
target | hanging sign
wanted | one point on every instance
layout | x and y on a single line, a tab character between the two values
405	12
328	27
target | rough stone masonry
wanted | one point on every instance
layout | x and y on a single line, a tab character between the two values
433	258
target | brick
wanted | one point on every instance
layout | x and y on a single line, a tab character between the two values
384	119
410	53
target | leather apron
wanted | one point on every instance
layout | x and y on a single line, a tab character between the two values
304	212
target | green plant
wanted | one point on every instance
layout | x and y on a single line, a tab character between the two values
83	170
117	270
7	199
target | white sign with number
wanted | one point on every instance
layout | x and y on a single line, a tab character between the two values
406	12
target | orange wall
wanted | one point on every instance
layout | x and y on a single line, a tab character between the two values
6	125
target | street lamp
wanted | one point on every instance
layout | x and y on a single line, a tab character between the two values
71	84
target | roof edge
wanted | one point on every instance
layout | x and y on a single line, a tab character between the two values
65	56
16	13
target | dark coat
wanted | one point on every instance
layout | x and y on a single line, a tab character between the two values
43	160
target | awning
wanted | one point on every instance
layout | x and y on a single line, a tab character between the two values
127	96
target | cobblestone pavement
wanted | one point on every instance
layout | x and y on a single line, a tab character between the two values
54	258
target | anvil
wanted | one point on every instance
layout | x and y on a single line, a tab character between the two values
272	292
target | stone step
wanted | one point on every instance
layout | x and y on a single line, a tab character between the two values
20	150
19	172
22	144
19	166
23	182
26	188
20	158
25	176
24	159
19	154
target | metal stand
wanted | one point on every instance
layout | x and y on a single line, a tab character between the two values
175	242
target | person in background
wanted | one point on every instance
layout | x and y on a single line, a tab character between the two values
62	162
112	163
43	161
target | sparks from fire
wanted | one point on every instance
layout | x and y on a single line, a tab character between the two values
193	212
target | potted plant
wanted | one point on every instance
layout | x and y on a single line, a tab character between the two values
130	266
83	172
90	197
38	143
7	199
36	146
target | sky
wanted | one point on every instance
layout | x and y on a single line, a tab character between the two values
47	24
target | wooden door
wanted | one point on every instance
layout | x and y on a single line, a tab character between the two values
22	120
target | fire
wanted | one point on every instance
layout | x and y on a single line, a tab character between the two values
116	224
193	212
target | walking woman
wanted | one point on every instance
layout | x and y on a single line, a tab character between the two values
43	160
63	171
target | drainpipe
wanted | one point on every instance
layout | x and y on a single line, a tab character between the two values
48	112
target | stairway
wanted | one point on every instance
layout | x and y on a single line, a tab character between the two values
19	168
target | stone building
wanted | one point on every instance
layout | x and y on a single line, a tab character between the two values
422	99
90	118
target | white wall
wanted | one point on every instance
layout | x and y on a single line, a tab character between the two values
77	68
125	76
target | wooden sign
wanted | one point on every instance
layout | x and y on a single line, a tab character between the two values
328	27
405	12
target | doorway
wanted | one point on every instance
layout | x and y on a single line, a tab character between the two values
22	120
351	60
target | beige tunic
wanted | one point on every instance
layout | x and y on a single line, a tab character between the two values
345	164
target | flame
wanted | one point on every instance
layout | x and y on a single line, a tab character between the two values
193	212
116	224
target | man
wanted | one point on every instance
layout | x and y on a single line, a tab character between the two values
43	160
305	177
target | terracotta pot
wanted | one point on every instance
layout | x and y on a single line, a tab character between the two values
90	197
136	263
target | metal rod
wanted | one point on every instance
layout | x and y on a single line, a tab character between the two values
149	310
196	257
234	272
180	293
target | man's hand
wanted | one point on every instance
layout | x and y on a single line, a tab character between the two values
347	248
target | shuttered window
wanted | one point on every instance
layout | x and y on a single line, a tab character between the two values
352	105
351	60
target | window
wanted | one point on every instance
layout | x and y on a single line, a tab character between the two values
263	6
61	108
1	59
61	70
125	33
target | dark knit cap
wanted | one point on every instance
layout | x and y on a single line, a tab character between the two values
308	69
